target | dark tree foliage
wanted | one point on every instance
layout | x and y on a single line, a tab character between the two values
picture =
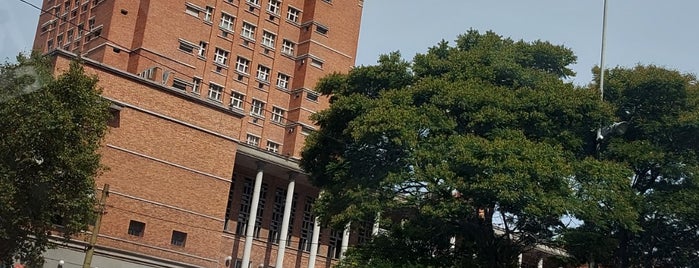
50	132
481	142
661	147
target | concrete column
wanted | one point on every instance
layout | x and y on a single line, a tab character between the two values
314	243
375	228
253	215
519	260
285	221
541	263
345	240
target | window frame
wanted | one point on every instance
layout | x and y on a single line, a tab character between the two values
277	114
215	92
248	30
245	63
237	100
227	22
288	47
263	73
268	39
224	56
283	80
257	108
293	14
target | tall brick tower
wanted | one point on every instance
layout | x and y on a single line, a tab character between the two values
211	100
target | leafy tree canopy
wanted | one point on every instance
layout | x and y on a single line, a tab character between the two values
463	139
661	148
50	129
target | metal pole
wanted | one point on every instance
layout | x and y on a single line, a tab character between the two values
95	231
604	39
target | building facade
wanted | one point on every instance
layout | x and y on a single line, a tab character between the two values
211	104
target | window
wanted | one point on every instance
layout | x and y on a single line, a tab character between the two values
202	49
288	47
59	40
273	147
245	200
257	108
186	46
136	228
277	115
226	22
49	44
277	214
215	92
307	225
321	29
91	24
311	96
254	2
253	140
273	6
179	84
237	100
335	244
263	73
242	64
248	30
69	35
221	56
268	39
282	81
208	13
316	63
293	15
178	238
196	84
192	11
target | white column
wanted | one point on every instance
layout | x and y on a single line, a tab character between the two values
345	240
541	263
314	243
375	228
253	215
519	260
285	221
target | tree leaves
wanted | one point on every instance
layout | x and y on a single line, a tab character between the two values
463	139
48	156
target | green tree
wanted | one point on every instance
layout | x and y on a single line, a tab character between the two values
461	140
50	132
661	147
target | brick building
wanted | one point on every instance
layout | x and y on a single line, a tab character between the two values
211	101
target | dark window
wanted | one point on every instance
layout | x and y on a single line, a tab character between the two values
178	238
136	228
179	84
321	29
115	115
312	96
307	223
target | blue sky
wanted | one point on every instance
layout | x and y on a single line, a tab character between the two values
664	33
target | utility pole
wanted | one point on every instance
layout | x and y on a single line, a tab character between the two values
95	231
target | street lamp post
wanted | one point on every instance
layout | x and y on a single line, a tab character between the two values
601	64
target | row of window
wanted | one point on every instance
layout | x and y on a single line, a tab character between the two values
255	141
273	8
137	228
